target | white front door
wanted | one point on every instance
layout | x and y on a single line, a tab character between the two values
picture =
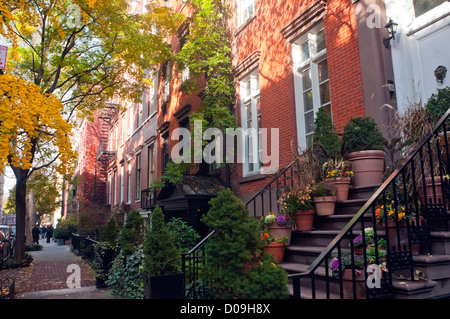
421	45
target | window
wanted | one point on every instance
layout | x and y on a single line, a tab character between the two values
423	6
109	188
152	97
166	81
140	108
138	178
246	10
123	130
122	183
165	153
129	183
115	186
151	165
251	124
130	118
312	88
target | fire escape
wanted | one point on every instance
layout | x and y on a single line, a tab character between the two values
104	154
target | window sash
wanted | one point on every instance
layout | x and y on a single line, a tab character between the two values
251	119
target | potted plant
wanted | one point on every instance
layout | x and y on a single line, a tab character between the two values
60	234
162	276
339	173
298	202
274	246
364	145
324	198
397	226
343	268
279	225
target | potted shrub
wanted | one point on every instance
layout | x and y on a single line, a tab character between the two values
364	144
324	198
162	276
60	234
278	225
298	202
274	246
339	173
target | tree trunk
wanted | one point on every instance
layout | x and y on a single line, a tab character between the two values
21	210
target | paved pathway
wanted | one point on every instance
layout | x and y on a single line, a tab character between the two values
47	277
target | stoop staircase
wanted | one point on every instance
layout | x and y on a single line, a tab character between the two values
417	268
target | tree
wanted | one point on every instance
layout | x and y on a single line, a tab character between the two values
78	55
32	131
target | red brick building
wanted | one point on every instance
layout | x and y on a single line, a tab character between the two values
289	58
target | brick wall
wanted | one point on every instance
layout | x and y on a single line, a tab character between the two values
277	97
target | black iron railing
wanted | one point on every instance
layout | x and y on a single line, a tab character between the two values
83	246
193	263
148	198
266	200
415	197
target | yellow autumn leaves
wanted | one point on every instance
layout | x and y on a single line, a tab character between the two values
32	128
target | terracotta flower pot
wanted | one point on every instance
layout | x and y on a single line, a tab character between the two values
343	185
304	219
368	167
360	284
280	231
276	250
324	205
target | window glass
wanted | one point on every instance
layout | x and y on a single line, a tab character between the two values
423	6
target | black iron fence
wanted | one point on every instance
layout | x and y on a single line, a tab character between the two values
392	227
83	246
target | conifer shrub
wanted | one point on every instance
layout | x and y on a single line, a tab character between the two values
362	133
326	137
109	234
229	250
161	255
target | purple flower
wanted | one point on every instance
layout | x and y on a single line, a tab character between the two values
357	239
334	264
281	220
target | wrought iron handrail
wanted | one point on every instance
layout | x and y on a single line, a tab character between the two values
398	253
191	261
268	187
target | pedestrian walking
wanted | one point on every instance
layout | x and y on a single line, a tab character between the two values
49	233
35	232
43	232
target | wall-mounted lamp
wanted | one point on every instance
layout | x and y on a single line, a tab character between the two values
391	27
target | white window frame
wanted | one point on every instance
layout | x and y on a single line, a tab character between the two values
299	65
138	178
129	193
246	10
115	186
250	98
122	183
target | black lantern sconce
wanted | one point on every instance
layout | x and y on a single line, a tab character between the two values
391	27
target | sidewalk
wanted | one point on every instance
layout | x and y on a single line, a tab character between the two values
46	277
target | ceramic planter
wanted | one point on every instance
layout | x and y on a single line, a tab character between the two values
276	250
368	167
280	231
164	286
324	205
343	185
304	219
